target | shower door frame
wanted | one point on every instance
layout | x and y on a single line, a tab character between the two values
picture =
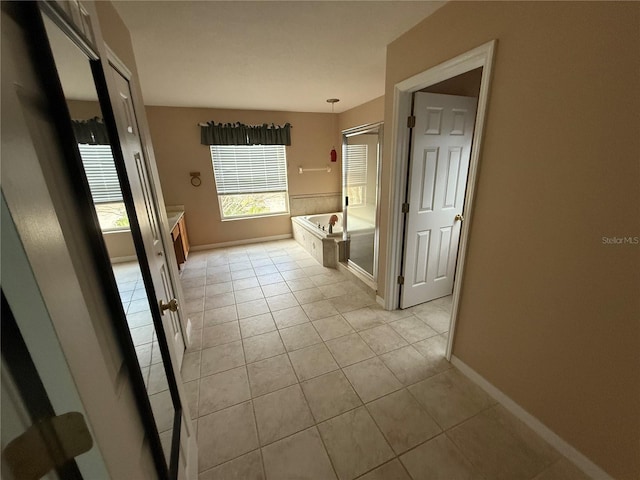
346	134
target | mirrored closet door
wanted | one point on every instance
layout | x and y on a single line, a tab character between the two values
113	196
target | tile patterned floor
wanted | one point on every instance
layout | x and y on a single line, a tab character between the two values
297	373
136	307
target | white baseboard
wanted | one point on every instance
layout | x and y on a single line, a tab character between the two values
241	242
582	462
129	258
380	301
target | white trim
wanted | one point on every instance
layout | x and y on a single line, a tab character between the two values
128	258
241	242
118	64
380	301
582	462
481	56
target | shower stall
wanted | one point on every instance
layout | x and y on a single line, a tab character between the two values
361	151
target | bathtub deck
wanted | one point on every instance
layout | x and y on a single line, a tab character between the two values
315	241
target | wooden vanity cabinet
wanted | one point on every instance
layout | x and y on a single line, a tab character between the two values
180	242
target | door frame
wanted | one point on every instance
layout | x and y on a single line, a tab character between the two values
481	56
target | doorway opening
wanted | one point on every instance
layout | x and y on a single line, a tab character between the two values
467	75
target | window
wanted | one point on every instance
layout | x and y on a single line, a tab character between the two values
251	180
104	185
355	174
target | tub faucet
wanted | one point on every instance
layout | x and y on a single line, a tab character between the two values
332	221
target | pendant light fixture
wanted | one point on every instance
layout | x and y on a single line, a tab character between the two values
333	101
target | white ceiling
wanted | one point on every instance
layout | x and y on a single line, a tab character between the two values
265	55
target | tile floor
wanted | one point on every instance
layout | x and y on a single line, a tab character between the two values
297	373
136	306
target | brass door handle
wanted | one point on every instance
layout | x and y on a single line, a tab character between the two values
172	305
458	217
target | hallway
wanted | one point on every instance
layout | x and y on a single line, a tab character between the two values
295	372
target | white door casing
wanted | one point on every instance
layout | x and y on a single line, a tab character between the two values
440	153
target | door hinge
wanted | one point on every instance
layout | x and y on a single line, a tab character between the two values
400	280
411	121
405	208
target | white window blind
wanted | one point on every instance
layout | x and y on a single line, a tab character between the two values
355	172
249	169
101	173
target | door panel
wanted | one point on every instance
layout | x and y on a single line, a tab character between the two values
441	149
146	203
143	178
176	331
146	207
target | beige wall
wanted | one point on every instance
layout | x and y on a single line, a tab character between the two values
548	314
119	244
84	110
176	139
370	112
116	34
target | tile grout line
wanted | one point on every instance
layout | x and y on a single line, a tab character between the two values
299	382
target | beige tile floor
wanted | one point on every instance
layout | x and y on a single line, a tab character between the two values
297	373
138	312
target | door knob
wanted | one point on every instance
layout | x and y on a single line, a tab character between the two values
172	305
458	217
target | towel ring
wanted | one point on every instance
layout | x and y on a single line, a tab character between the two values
196	181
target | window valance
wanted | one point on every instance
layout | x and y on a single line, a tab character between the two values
90	132
241	134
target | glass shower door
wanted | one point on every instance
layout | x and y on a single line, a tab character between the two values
360	172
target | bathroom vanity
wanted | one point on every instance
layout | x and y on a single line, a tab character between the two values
179	236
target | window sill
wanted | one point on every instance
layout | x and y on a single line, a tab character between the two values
257	217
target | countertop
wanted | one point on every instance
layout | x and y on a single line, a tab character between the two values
174	214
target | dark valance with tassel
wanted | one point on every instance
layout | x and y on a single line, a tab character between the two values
91	132
241	134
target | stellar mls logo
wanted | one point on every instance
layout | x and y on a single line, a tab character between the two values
620	240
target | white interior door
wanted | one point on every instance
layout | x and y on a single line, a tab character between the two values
440	152
146	208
